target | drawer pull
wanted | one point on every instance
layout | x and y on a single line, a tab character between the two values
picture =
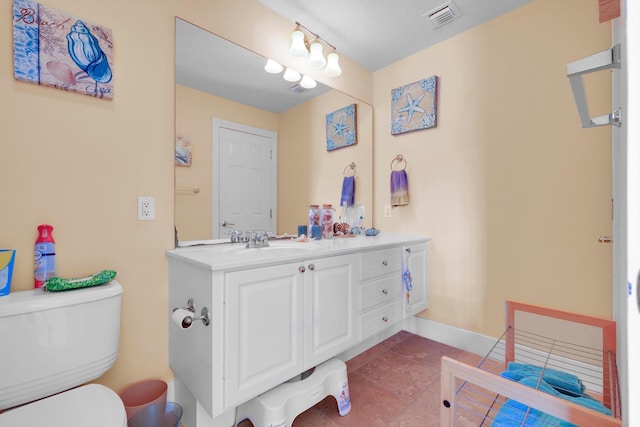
385	291
312	267
385	319
384	262
301	269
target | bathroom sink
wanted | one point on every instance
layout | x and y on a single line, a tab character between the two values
277	246
292	244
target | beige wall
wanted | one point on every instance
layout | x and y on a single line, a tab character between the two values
506	185
512	190
80	163
307	172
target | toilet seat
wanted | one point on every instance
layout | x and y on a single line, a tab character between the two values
91	405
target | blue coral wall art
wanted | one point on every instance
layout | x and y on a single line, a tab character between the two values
341	128
414	106
55	49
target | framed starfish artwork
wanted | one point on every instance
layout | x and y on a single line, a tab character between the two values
413	106
341	128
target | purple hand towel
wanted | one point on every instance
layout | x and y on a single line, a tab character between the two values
399	188
348	191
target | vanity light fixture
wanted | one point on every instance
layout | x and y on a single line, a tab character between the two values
273	67
291	75
300	48
333	67
298	44
316	58
307	82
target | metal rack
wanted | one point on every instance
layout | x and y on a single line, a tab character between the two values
606	60
484	396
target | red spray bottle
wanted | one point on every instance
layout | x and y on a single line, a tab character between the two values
44	255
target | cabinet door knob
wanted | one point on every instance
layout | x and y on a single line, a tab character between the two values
385	291
312	267
301	269
385	319
384	262
408	250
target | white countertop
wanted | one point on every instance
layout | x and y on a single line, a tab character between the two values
229	256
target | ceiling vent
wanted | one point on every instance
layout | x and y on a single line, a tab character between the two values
442	14
297	88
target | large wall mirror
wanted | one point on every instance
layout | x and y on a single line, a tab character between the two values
221	85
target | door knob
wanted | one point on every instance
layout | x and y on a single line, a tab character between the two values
225	223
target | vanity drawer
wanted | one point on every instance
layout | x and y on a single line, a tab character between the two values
379	263
379	291
380	318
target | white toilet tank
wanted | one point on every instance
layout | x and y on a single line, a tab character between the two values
53	341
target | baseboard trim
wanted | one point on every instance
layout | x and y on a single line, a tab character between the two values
450	335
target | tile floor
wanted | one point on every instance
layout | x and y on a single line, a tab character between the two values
394	384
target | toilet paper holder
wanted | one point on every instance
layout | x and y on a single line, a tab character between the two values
187	321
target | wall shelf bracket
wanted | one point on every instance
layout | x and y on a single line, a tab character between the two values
606	60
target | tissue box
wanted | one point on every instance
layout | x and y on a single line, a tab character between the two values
6	270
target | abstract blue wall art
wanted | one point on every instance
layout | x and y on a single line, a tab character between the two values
52	48
413	106
341	128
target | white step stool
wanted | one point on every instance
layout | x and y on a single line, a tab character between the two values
280	405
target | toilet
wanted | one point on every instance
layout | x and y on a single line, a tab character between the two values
53	343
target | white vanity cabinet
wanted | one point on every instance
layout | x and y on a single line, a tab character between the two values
278	311
330	323
379	290
414	258
264	319
282	320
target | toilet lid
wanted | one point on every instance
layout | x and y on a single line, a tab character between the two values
91	405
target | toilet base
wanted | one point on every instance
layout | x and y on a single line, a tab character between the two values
280	405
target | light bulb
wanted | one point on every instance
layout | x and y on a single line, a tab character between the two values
316	59
333	67
298	47
273	67
307	82
291	75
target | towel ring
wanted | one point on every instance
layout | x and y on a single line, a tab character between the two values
351	167
399	159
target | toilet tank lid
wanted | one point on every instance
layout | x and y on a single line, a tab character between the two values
21	302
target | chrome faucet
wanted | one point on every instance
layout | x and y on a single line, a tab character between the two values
258	239
238	236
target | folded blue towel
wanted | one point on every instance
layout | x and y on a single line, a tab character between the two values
563	382
515	413
348	191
